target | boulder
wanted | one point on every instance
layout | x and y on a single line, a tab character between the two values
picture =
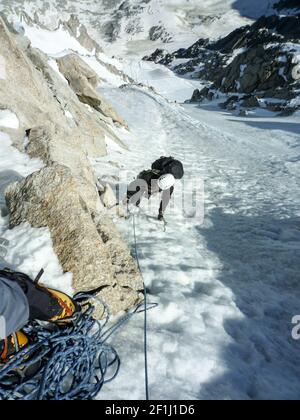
7	177
76	70
243	113
160	57
92	126
288	112
197	96
108	197
92	251
231	103
250	102
124	266
51	145
275	107
205	93
83	80
284	93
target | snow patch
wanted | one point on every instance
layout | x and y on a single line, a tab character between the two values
53	42
162	79
59	43
236	53
281	73
293	48
69	115
295	102
112	146
53	64
282	59
9	120
103	72
31	249
12	159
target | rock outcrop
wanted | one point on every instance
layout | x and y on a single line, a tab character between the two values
83	80
88	245
80	32
108	197
55	126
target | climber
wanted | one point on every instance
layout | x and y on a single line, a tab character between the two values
21	301
160	178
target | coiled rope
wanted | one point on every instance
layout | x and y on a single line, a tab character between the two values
73	362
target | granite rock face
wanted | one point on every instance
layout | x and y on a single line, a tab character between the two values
56	127
88	245
83	80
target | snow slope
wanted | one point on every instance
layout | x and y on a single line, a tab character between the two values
59	42
161	78
227	288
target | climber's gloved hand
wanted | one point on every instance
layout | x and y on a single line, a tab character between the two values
161	217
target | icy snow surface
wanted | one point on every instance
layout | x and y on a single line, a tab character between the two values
227	288
8	119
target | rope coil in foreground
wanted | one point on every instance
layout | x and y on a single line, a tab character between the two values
73	362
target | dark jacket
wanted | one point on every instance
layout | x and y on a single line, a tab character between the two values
136	190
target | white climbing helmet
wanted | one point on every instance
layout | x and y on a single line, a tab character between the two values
166	182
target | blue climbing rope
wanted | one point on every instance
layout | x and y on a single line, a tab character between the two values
145	314
71	362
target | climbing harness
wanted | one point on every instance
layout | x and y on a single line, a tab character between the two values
145	314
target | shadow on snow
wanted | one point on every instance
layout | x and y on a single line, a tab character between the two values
261	260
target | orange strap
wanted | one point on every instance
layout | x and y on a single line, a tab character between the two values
5	350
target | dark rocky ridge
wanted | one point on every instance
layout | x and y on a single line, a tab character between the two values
258	60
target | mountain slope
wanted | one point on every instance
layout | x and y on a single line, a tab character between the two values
226	284
260	61
133	25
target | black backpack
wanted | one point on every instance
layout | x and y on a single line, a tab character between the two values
169	165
